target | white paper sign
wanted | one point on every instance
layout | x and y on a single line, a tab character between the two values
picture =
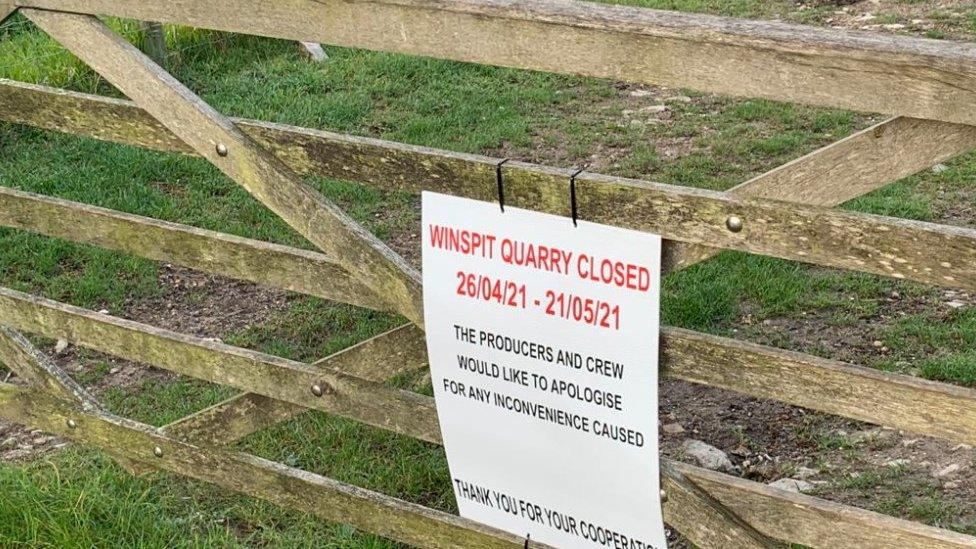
543	343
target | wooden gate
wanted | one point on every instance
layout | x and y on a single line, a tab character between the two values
929	86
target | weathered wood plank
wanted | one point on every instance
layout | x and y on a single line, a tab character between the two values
25	360
883	398
232	419
270	264
814	522
849	240
865	394
898	248
855	165
274	482
836	68
22	358
7	8
377	359
782	515
857	392
95	116
894	400
271	376
702	519
218	140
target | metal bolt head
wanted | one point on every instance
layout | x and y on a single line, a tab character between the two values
664	496
158	452
317	390
71	424
221	149
734	223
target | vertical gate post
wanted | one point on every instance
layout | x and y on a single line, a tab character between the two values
154	40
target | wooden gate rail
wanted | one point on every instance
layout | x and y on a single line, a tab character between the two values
832	175
813	521
901	76
314	494
843	170
894	400
900	248
283	267
379	359
271	376
868	72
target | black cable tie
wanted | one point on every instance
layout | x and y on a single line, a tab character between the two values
572	193
501	185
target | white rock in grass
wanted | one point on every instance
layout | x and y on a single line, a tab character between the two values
950	469
707	455
654	108
804	473
791	485
673	428
60	346
939	168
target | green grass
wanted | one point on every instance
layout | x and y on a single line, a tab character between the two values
79	498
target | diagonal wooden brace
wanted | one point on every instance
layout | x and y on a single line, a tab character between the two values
6	10
379	359
854	166
217	139
40	372
691	510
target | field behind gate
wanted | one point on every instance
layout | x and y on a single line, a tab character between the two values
56	495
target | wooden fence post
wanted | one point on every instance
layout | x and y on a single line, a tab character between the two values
154	42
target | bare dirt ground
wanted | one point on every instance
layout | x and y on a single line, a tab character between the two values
940	18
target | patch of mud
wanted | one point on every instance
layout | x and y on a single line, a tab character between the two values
205	305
